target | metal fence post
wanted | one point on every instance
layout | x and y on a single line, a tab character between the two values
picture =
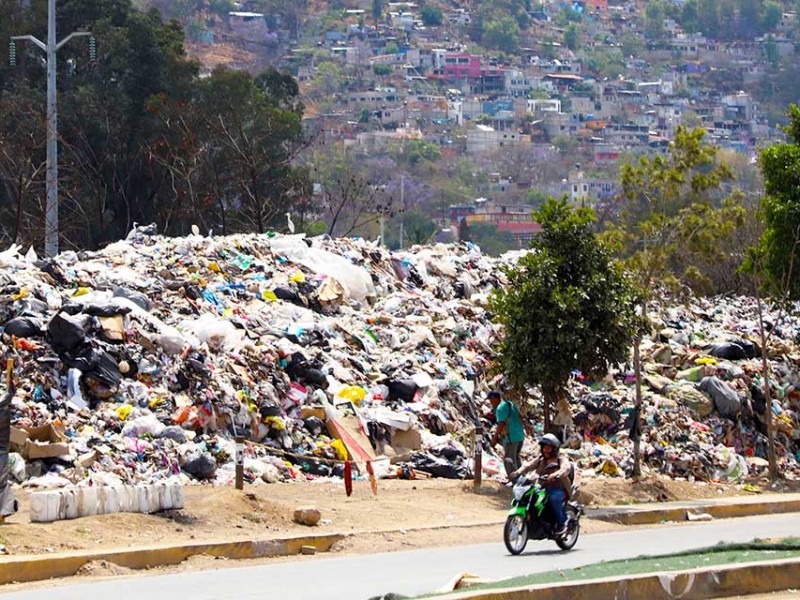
239	462
478	456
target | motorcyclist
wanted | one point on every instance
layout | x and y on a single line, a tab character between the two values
555	469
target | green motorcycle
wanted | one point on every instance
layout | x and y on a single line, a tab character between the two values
530	518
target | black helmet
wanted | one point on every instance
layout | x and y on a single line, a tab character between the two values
548	439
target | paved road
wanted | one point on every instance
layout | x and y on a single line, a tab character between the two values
411	572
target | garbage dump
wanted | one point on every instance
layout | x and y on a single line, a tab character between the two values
143	361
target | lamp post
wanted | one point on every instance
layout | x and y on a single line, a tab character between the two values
50	49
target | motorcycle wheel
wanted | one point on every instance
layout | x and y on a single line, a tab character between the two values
515	534
573	530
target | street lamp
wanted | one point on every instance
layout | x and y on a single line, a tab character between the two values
50	49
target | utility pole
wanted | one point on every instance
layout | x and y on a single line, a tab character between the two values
50	49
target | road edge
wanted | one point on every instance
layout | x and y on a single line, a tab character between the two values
694	584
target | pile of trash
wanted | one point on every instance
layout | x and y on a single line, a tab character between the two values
145	361
704	404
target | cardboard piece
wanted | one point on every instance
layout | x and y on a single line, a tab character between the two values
18	439
312	411
408	440
44	442
349	431
113	328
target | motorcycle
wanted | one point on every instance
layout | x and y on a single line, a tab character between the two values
531	517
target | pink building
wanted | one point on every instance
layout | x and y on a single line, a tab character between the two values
461	66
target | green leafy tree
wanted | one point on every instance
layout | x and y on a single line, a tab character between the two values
502	33
536	197
431	15
749	18
571	38
771	14
689	19
488	237
654	20
418	228
418	151
774	261
771	50
567	306
708	17
779	246
672	220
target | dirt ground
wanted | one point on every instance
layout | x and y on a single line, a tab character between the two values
393	516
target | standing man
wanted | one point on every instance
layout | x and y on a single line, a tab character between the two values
509	430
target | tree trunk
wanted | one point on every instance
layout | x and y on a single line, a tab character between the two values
549	396
773	463
637	367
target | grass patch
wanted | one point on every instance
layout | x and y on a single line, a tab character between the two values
721	554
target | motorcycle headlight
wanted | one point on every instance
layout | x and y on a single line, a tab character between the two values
520	490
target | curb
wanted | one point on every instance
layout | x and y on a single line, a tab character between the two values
725	510
696	584
24	569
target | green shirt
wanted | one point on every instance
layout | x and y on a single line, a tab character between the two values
507	411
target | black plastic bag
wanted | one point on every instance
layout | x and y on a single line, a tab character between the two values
95	363
202	466
23	327
438	467
105	309
67	332
727	351
402	389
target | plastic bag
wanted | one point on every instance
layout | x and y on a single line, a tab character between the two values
354	393
356	280
339	447
67	332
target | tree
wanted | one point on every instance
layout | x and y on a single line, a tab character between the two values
536	197
352	197
654	20
771	50
672	215
488	237
689	20
708	18
771	15
418	228
571	38
418	151
567	306
774	261
431	15
501	33
22	165
780	165
256	128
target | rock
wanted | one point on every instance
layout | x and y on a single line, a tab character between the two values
307	516
308	550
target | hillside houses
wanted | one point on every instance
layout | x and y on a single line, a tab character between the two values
496	101
377	83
